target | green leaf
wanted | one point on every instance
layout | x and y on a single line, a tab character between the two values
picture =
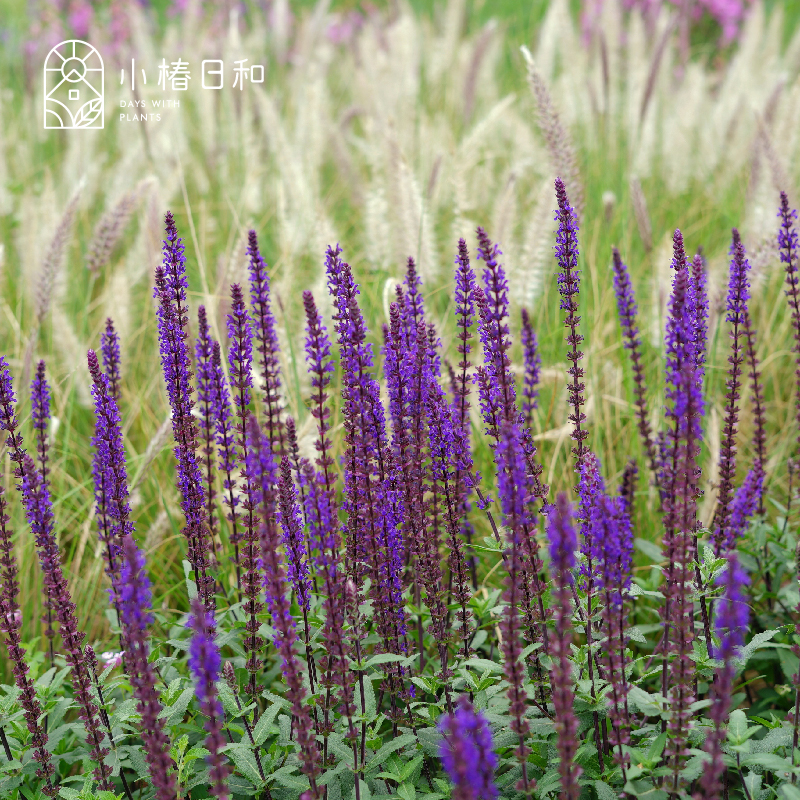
175	712
264	724
753	783
738	731
789	792
754	644
388	749
484	664
605	792
637	636
650	549
770	761
649	704
406	791
381	658
245	761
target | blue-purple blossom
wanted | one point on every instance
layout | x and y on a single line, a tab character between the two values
205	662
466	753
293	539
732	609
532	367
136	602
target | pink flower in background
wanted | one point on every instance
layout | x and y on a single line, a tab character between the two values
345	28
111	658
729	14
80	17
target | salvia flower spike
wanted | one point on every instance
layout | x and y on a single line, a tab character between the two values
136	602
566	250
533	363
738	295
731	625
11	625
627	309
110	349
563	542
268	348
466	752
205	662
173	321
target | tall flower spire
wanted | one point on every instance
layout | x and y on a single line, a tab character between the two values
626	307
566	251
173	331
563	543
268	348
533	363
204	663
136	602
738	295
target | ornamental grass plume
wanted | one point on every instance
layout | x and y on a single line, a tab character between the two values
11	626
268	348
136	601
563	543
738	295
173	321
626	307
731	626
466	752
566	251
204	662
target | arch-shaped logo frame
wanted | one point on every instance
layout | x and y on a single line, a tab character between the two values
73	86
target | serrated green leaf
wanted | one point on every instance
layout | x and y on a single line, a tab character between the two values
605	792
754	644
738	730
388	749
265	722
245	761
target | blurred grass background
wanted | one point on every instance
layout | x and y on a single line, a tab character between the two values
323	156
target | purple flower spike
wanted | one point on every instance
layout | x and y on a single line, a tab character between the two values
109	347
205	662
38	507
563	543
466	753
744	505
109	472
789	248
207	401
533	363
173	331
136	601
268	347
738	295
11	626
731	626
514	491
566	250
40	414
626	306
293	539
275	588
